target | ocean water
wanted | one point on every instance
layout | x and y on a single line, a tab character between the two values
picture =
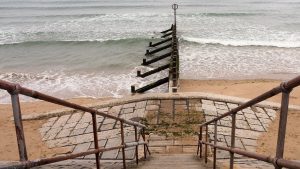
93	48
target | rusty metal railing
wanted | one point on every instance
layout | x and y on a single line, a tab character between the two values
15	90
285	88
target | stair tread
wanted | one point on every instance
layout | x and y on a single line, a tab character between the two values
172	161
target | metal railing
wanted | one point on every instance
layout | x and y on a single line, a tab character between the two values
15	90
285	88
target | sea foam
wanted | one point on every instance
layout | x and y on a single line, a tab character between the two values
228	42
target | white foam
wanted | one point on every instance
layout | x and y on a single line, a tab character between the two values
223	62
63	85
228	42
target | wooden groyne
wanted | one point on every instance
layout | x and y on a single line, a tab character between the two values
157	52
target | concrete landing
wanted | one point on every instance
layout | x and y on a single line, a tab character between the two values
73	131
172	161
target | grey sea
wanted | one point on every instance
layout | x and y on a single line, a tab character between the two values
93	48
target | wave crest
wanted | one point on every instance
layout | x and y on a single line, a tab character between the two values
108	41
282	44
65	85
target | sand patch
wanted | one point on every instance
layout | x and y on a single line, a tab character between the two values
239	88
267	141
35	147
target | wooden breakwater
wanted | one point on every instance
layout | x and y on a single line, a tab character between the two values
166	48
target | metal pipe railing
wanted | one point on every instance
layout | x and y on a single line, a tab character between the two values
273	160
285	88
14	90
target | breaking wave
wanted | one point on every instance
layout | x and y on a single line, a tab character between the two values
281	44
65	86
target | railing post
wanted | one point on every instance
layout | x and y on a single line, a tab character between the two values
137	147
201	134
19	125
144	138
282	123
206	141
123	144
215	143
198	147
233	117
96	139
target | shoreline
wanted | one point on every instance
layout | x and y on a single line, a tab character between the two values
184	87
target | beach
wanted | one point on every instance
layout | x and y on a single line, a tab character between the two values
239	88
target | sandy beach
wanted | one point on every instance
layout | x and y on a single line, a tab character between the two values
239	88
267	146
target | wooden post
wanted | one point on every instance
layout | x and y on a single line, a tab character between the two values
144	62
152	85
138	73
132	89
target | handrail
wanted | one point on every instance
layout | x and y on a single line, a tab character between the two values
265	158
12	88
285	88
15	89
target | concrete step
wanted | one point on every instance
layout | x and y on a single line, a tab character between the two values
172	161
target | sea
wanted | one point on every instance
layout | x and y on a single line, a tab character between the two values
93	48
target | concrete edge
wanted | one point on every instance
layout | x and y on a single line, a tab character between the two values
157	96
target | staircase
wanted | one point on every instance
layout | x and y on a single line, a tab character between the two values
172	161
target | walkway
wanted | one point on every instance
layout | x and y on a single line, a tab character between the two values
172	161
